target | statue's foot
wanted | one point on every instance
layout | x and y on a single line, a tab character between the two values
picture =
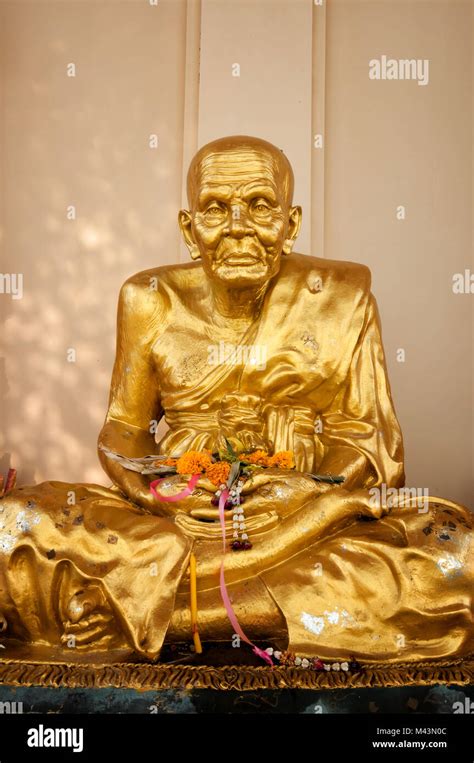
84	602
91	622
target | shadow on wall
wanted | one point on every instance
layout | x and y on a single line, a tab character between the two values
88	203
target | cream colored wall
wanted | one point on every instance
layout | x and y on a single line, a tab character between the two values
269	95
84	141
81	141
391	143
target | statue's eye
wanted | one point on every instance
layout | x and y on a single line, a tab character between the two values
214	210
261	208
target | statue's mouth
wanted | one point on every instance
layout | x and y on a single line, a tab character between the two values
241	258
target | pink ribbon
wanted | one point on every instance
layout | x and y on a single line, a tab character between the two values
224	593
183	494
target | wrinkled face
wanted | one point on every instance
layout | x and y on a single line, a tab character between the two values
240	216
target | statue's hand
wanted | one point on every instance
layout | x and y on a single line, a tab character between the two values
278	491
141	495
144	498
269	491
285	491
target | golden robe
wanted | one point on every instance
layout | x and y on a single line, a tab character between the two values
323	577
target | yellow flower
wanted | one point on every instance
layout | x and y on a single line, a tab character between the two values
193	462
218	473
283	460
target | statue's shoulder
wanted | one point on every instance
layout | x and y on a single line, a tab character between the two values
151	288
334	273
169	275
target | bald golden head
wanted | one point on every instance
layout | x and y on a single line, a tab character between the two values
240	218
239	158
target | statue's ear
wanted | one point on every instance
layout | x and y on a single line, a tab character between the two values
294	225
185	223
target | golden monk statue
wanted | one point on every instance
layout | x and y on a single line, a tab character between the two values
332	570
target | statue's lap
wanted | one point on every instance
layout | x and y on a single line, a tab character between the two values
369	590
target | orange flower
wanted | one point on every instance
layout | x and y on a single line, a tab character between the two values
218	473
258	457
283	459
193	462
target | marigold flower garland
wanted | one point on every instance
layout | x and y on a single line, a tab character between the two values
228	470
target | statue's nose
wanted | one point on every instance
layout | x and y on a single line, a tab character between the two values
238	226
